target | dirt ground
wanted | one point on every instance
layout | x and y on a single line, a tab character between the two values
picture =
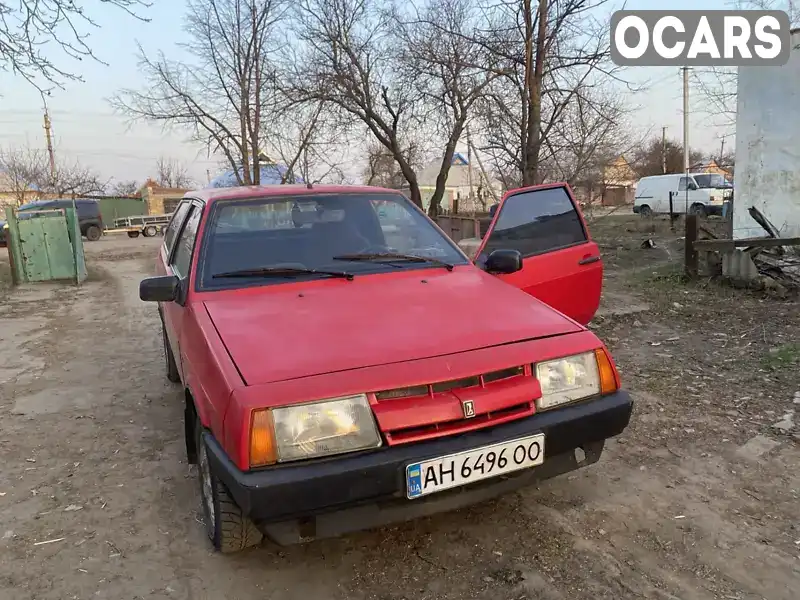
698	500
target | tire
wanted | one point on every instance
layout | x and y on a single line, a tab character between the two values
93	233
645	211
150	231
697	209
133	234
226	526
169	359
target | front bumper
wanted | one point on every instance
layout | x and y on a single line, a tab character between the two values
328	497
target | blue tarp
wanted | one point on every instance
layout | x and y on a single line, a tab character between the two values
271	174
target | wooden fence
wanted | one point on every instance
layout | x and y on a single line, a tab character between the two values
459	227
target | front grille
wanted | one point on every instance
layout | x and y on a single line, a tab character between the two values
435	409
412	434
450	385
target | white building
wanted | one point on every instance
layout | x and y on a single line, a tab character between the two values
768	147
457	186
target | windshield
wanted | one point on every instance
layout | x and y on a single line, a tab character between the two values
710	180
308	235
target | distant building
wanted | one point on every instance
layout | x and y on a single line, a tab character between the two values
710	167
619	183
10	195
457	188
158	199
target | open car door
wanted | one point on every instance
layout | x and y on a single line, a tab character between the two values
561	265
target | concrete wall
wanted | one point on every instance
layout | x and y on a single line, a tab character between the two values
768	147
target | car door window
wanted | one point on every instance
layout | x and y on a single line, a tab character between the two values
174	225
535	222
185	244
683	184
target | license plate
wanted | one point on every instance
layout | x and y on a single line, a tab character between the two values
453	470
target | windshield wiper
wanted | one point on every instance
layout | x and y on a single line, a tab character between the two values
392	256
281	272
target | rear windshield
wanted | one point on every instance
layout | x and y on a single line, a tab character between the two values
309	232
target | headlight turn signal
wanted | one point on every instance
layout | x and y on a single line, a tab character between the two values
263	450
574	378
311	430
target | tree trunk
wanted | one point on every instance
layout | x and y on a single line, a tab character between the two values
533	141
410	177
441	179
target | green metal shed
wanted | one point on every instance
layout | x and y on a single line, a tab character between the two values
117	208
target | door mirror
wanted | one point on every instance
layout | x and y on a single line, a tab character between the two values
692	185
504	262
159	289
493	210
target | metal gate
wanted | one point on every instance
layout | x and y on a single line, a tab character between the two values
45	245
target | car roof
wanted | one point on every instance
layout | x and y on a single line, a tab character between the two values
266	191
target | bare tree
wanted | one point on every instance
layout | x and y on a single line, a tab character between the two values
308	139
555	53
382	170
172	174
650	156
449	70
225	98
72	179
125	188
21	172
29	29
349	62
592	131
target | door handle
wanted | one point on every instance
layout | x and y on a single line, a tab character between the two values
588	260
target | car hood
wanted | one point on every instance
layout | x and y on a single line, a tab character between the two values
287	331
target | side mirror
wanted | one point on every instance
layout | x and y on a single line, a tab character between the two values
692	186
493	210
159	289
503	262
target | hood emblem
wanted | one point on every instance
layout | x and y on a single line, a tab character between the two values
468	407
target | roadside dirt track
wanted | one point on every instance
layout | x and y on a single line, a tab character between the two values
699	500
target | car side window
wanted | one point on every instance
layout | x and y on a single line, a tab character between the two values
536	221
185	244
175	225
683	184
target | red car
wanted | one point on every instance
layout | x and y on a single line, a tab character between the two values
345	365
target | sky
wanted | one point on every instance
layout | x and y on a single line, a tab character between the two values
86	129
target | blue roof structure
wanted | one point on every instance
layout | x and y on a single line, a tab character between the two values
270	174
459	160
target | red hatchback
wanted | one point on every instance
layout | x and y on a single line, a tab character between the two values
345	365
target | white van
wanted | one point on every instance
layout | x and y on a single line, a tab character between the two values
652	195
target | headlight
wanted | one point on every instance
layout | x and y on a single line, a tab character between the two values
323	428
568	379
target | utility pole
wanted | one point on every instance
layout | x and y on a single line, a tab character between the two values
686	130
50	151
664	150
469	171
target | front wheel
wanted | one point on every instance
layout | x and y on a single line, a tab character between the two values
150	231
645	211
697	209
226	526
93	233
